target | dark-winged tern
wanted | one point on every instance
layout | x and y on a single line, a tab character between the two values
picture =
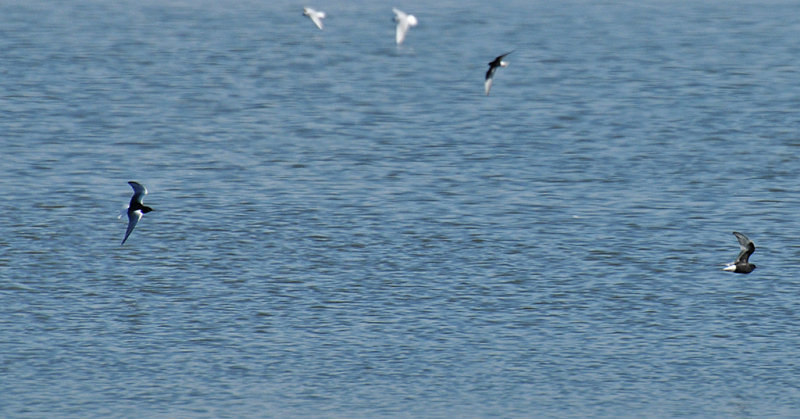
742	264
135	208
498	62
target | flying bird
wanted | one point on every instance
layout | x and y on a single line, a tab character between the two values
742	264
404	21
498	62
315	15
135	208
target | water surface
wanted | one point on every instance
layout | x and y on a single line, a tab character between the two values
345	228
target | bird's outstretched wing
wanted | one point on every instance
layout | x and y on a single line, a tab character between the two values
133	218
139	192
747	246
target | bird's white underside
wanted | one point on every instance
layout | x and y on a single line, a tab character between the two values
316	16
404	21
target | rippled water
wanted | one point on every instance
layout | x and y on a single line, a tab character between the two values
345	228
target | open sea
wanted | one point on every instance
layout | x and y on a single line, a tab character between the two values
345	228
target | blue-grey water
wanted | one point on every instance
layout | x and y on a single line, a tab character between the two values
345	228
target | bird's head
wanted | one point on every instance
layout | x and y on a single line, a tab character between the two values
145	210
